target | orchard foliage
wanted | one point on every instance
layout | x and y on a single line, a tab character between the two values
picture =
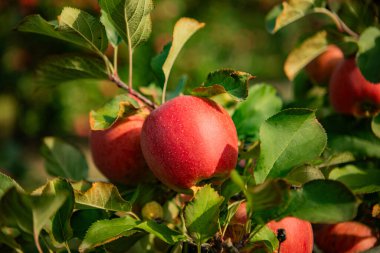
296	158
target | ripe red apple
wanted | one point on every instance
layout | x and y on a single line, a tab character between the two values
117	152
299	235
321	68
345	237
351	93
189	139
240	216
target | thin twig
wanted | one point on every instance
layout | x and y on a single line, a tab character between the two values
123	85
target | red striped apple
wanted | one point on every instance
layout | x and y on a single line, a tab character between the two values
189	139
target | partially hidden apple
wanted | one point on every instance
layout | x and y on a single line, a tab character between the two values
321	68
298	235
116	151
189	139
350	93
345	237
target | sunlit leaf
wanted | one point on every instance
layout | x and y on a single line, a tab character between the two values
288	139
101	195
6	183
130	18
112	34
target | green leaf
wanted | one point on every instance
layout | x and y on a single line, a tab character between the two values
369	53
304	174
310	48
101	195
375	125
261	103
358	180
81	220
268	201
323	201
119	107
7	183
130	18
61	221
161	231
65	68
63	160
286	13
112	34
235	83
265	236
105	231
202	213
163	63
288	139
30	213
74	26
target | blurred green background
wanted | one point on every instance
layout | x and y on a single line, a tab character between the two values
234	37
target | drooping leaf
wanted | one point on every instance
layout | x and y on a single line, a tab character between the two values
130	18
287	12
358	180
202	213
288	139
101	195
29	212
63	160
61	221
6	183
299	57
104	231
261	103
323	201
112	34
74	26
369	53
65	68
235	83
163	63
119	107
375	125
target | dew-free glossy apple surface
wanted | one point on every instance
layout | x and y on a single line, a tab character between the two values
299	235
189	139
351	93
117	152
345	237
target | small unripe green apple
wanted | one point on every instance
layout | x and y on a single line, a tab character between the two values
321	68
189	139
152	210
116	151
350	93
345	237
299	235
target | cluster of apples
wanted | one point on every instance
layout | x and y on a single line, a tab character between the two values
349	92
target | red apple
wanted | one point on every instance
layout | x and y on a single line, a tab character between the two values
351	93
345	237
240	216
189	139
321	68
117	152
299	235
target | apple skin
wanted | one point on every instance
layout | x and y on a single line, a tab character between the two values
116	151
240	216
350	93
299	235
189	139
345	237
321	68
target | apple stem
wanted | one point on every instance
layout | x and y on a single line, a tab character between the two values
342	27
114	78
